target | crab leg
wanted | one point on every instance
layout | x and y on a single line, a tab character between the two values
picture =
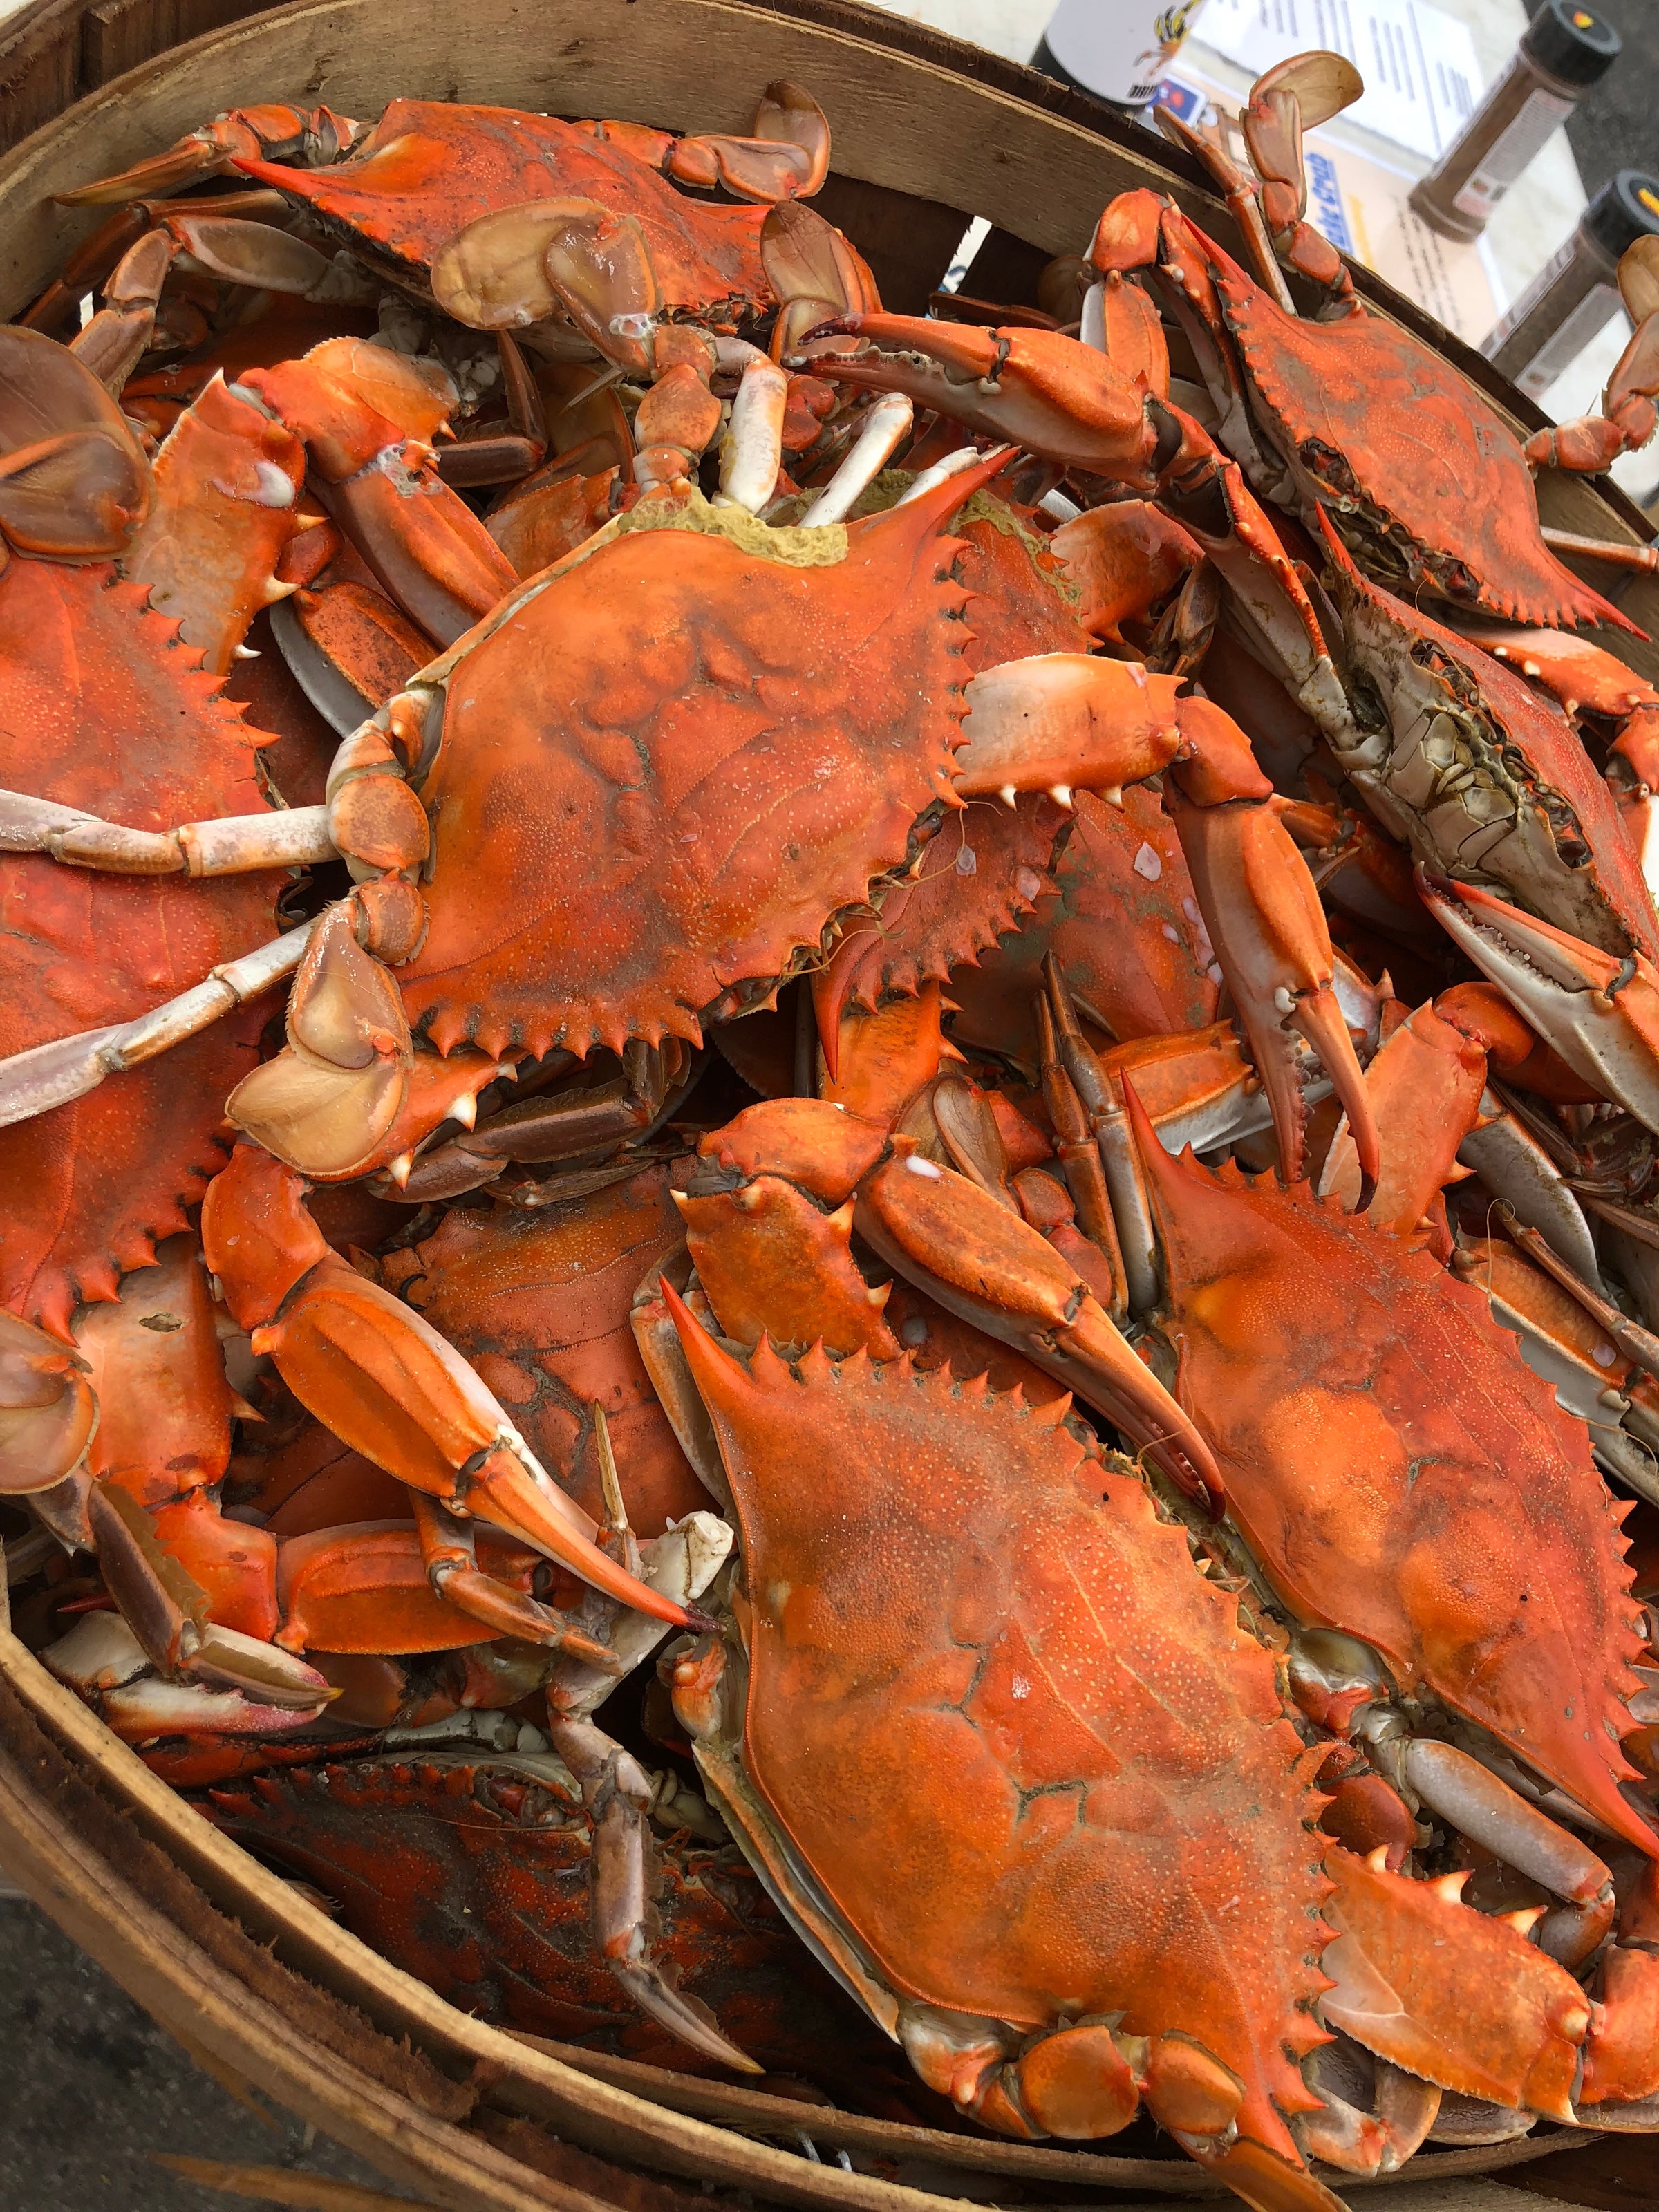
617	1790
751	452
887	422
1488	1812
234	1686
49	1075
1268	925
233	845
168	1613
786	158
449	1548
384	1380
1626	421
1600	1014
992	1269
315	137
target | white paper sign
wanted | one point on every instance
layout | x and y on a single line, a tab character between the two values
1422	79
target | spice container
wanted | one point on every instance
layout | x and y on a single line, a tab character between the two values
1576	291
1118	50
1564	50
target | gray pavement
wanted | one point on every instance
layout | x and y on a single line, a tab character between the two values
93	2087
1617	127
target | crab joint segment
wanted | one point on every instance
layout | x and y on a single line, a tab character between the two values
992	1269
1600	1014
234	845
384	1380
617	1790
49	1075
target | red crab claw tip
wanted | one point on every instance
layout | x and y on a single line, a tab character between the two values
502	1491
1320	1020
1268	2181
1602	1015
962	346
1332	543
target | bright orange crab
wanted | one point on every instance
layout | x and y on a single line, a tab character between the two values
395	191
103	947
1484	781
830	1445
1069	1862
625	909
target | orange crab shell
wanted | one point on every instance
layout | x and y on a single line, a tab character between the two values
986	869
102	707
432	168
1124	922
539	1302
1398	1473
1380	422
1064	1784
708	800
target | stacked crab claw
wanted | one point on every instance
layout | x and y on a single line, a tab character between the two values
942	1278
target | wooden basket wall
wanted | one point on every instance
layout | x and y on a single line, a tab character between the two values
927	133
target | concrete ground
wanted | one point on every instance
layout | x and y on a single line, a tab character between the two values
1617	127
93	2088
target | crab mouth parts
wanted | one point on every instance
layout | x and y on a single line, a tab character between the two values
1380	542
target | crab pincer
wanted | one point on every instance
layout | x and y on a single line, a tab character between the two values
391	1388
1600	1014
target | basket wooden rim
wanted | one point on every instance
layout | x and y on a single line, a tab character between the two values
1012	131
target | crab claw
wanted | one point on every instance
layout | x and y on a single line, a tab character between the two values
991	1267
1048	393
391	1388
156	177
1262	911
47	1410
815	271
384	1380
1600	1014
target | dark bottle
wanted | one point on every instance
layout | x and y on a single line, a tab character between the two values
1564	50
1576	291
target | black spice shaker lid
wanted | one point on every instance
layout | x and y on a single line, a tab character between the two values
1571	42
1623	211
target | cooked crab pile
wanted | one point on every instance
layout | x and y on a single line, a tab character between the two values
831	1204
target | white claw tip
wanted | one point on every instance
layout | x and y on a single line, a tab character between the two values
1008	794
400	1169
465	1109
272	487
1060	793
918	1166
244	652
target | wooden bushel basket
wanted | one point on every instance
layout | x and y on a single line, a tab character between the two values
242	1968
